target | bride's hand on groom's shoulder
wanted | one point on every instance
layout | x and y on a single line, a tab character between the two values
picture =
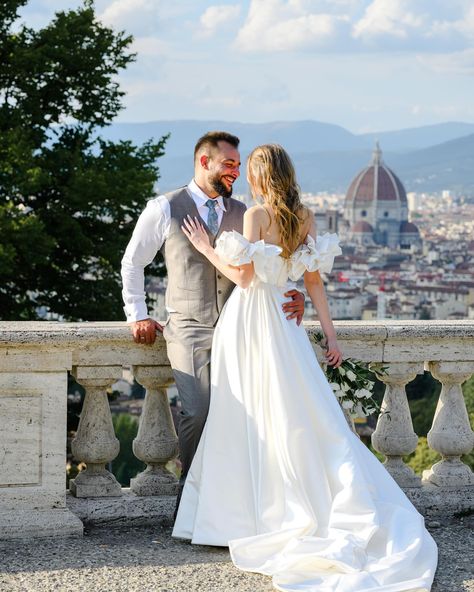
145	331
333	353
194	230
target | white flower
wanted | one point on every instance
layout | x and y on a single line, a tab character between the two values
365	393
340	394
370	410
335	386
347	404
359	411
350	375
345	387
342	372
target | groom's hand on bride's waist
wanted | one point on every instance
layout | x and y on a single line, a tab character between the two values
145	331
294	308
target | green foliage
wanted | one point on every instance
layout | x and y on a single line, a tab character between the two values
126	465
68	199
423	457
423	393
468	391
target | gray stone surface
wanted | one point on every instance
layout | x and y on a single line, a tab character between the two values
147	559
126	510
131	510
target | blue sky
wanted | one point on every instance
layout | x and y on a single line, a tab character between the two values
368	65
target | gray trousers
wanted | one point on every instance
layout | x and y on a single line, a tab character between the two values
188	345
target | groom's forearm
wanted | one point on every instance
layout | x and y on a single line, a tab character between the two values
133	292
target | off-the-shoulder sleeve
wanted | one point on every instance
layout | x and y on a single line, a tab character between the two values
235	249
315	255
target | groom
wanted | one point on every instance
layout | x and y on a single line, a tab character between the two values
196	291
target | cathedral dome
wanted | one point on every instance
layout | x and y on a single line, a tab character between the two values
362	226
376	183
408	227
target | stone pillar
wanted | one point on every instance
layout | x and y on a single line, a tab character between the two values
156	442
95	442
33	398
394	436
451	433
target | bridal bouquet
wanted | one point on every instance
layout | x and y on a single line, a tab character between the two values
352	383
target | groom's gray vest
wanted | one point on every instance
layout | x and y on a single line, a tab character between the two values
196	289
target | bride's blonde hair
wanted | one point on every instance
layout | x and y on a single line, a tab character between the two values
272	174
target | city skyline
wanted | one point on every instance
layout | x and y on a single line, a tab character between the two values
368	65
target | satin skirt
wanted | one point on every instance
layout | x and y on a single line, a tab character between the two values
281	479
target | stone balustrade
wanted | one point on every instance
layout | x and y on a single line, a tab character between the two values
35	358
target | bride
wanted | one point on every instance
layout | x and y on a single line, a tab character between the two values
279	477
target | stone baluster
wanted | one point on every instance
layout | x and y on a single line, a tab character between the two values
451	433
95	442
394	436
156	442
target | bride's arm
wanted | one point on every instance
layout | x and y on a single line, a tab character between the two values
242	275
315	287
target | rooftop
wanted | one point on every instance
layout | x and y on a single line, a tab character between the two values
376	183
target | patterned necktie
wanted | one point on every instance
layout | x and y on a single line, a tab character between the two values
212	220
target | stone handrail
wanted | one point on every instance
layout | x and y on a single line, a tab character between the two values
36	356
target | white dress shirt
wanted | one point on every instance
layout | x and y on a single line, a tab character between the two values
150	233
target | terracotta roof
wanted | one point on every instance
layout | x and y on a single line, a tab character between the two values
362	226
406	227
376	182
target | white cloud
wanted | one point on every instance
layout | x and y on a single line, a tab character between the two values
391	18
456	62
150	46
217	16
138	17
462	26
276	25
431	25
144	17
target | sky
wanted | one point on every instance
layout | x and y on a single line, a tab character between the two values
367	65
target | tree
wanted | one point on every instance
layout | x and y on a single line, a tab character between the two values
68	199
126	465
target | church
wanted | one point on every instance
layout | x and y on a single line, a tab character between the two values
376	208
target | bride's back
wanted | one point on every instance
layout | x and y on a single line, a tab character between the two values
270	230
284	221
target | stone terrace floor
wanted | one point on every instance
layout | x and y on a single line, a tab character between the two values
147	559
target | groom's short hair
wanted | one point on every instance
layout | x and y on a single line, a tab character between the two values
212	139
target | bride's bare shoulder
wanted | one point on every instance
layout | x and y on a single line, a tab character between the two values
255	221
258	214
256	210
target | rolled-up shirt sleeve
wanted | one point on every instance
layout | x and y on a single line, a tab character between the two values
148	236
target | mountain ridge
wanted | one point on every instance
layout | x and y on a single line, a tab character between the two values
326	155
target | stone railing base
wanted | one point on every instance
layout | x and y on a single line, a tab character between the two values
433	501
128	509
39	523
132	510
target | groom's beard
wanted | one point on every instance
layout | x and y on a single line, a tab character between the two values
219	187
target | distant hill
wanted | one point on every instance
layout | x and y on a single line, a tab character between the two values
326	156
449	165
420	137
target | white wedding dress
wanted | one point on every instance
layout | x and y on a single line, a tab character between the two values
278	476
